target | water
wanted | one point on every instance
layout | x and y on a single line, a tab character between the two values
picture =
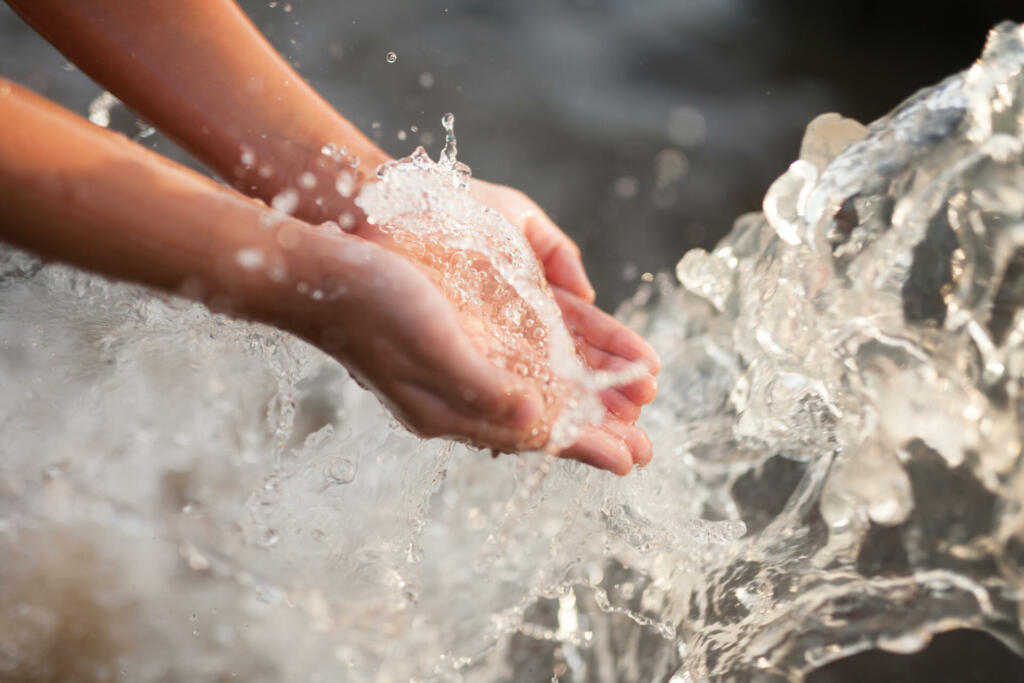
837	458
487	269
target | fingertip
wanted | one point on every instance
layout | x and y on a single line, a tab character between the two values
635	438
643	453
654	361
587	291
641	391
602	450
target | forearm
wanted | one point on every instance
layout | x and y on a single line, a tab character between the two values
202	73
74	192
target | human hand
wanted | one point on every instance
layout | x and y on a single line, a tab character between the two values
383	317
392	326
559	255
604	342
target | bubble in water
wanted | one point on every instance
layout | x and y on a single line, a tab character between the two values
341	471
391	57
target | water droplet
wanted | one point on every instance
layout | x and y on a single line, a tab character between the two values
307	181
250	258
391	57
193	617
286	201
402	135
248	157
426	80
100	107
345	184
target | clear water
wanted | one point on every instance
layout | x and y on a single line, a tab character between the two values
837	458
489	272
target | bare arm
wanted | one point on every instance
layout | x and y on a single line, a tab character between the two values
202	73
77	193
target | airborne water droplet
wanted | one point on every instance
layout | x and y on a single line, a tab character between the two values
391	57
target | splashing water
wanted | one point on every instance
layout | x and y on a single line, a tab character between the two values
186	497
489	272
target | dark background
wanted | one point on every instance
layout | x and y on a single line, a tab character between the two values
643	126
588	105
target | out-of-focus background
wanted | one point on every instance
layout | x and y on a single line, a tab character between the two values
643	126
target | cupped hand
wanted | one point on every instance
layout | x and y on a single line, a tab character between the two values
604	342
395	331
559	255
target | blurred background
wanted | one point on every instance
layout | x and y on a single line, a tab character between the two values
643	126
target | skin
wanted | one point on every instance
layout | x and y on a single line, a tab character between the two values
77	193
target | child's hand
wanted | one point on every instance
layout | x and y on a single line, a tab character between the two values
559	255
397	333
605	343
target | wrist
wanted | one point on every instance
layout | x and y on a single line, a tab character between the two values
299	278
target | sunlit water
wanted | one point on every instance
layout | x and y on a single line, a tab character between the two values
185	497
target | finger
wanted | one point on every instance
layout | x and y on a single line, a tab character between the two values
479	389
600	448
563	263
430	415
640	391
450	366
634	437
619	405
605	332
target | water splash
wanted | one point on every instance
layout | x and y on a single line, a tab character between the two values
489	272
850	398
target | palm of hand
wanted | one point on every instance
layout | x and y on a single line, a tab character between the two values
431	355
